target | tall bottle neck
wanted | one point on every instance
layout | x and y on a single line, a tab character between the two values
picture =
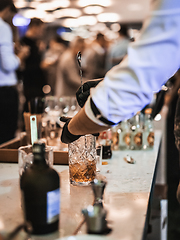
39	153
148	117
39	159
137	120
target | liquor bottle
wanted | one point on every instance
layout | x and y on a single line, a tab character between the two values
136	133
40	189
105	139
124	135
148	133
115	137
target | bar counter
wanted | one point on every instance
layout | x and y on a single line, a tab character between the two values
126	197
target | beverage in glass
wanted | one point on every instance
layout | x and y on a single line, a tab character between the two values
82	160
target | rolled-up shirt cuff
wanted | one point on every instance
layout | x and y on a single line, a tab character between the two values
95	116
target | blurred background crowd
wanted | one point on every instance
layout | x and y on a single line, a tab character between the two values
51	67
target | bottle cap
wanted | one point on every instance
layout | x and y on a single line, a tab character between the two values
148	111
38	148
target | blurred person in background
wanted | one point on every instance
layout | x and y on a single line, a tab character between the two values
51	59
9	63
68	71
94	58
118	49
33	75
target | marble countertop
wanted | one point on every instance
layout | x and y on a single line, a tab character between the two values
126	197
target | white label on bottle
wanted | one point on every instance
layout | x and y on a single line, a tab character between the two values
53	205
33	125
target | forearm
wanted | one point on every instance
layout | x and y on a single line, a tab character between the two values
81	124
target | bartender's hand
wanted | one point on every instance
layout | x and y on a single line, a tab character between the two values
79	125
66	136
83	92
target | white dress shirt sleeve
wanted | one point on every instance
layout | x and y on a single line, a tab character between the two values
152	59
9	61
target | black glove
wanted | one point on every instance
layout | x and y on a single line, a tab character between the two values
83	92
66	136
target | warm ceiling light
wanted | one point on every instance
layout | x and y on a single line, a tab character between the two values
68	36
105	3
45	6
48	18
31	13
40	13
62	3
70	22
76	22
70	12
87	20
93	10
53	5
134	7
21	4
115	27
98	27
108	17
33	4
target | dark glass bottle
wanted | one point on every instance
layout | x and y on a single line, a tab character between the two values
136	133
105	139
148	132
106	152
40	188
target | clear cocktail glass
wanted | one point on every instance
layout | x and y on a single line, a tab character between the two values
82	160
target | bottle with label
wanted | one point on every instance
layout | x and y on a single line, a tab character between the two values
136	133
124	135
105	139
148	133
115	137
40	189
